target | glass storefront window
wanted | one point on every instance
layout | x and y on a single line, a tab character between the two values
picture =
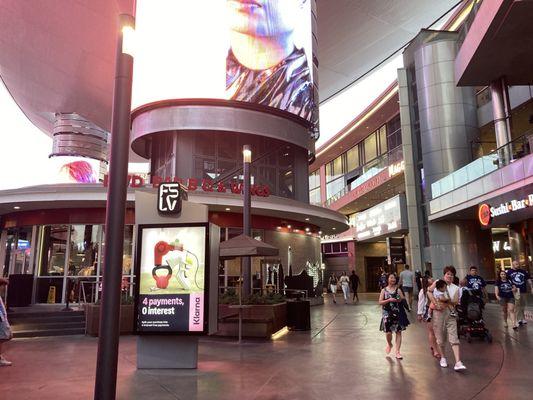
382	133
314	196
370	144
83	254
227	148
352	159
314	179
204	144
52	249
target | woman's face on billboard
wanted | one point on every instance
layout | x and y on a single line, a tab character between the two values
263	18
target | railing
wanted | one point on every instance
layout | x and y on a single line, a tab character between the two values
484	165
368	171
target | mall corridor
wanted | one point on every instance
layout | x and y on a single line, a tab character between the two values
341	358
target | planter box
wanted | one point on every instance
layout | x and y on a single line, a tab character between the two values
258	320
92	319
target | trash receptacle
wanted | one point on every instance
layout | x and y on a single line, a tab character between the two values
299	315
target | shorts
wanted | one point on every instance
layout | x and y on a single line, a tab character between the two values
445	325
506	300
407	289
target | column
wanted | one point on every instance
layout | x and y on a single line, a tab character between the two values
502	118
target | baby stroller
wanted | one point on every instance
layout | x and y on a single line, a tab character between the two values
470	316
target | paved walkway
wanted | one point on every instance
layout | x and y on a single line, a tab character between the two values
341	358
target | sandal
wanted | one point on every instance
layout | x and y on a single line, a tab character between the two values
399	356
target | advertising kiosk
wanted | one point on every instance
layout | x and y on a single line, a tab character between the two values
176	278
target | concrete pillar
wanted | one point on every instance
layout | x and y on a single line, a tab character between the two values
413	194
501	111
448	124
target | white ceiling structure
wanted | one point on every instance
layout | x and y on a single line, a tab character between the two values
58	55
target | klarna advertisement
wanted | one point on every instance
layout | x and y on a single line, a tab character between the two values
171	279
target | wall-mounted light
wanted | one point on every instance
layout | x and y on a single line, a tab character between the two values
228	209
16	208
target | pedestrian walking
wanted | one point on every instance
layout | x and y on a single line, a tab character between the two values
354	284
444	322
407	283
345	286
5	328
333	282
424	315
505	292
520	278
382	278
393	318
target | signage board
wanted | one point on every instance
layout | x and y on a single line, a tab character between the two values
486	212
383	218
258	52
169	199
172	279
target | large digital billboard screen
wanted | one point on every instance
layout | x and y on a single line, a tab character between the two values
256	51
171	292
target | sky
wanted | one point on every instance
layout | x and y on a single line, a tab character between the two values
24	154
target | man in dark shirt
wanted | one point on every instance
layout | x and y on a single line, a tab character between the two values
354	284
263	65
520	278
474	281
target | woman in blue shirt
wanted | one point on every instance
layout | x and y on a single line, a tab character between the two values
504	291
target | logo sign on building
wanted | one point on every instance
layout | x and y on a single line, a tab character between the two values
483	213
486	213
171	279
169	199
384	218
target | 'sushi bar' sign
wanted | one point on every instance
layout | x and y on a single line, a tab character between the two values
486	213
193	184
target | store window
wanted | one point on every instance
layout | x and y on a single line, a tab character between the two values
382	135
314	187
352	159
53	248
370	147
394	133
83	254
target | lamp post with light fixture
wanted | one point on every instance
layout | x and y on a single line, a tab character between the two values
108	339
246	262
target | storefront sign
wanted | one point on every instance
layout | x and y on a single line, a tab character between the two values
384	218
397	168
169	199
486	213
193	184
172	279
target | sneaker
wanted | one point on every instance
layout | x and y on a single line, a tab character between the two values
4	362
459	366
524	322
443	363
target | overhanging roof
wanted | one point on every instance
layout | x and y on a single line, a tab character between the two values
498	44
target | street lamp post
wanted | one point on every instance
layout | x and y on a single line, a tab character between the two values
108	340
246	160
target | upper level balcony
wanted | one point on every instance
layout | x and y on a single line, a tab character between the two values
490	175
351	192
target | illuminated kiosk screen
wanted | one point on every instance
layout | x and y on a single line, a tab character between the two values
257	52
172	279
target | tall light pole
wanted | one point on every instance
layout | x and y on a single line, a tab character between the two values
108	340
247	230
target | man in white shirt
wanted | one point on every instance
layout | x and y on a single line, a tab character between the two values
407	283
